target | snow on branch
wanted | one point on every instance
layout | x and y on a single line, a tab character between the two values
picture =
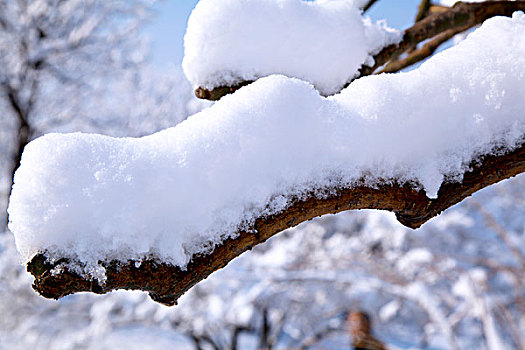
162	212
166	283
460	17
444	23
230	43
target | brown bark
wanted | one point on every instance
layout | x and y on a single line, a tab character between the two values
216	93
166	283
423	10
460	17
420	54
437	9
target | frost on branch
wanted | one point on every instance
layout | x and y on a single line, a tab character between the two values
162	212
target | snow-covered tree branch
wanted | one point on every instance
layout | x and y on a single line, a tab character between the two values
161	213
166	282
441	25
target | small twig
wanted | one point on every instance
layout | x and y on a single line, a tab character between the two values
420	54
368	5
423	10
512	325
460	17
317	337
501	232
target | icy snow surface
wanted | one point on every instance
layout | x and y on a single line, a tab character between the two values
179	191
323	42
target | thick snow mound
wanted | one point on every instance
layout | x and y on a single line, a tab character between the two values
182	190
323	42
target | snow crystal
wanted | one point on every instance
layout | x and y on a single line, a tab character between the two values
323	42
183	190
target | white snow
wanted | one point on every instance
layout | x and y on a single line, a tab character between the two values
183	190
411	260
323	42
390	310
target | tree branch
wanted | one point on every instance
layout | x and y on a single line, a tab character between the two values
216	93
166	283
420	54
460	17
23	134
437	9
423	10
368	5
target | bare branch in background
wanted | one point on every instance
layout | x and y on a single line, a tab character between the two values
516	253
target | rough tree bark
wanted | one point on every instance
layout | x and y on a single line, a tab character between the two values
435	20
166	283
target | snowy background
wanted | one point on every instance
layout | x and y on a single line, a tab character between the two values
454	284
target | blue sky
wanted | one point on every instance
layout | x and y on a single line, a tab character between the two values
166	31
